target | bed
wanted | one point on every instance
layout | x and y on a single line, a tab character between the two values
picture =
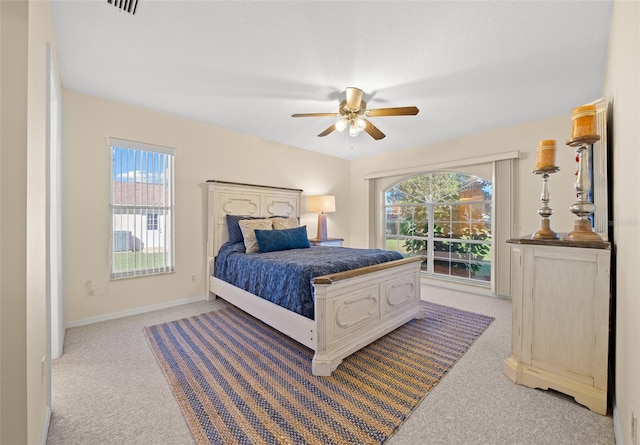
350	309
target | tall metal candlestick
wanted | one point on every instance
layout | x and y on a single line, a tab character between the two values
545	211
582	208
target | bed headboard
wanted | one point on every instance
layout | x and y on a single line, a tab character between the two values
232	198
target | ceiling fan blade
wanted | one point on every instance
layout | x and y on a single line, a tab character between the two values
373	131
315	115
327	131
397	111
354	98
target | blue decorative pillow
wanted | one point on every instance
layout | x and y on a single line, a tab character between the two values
274	240
235	234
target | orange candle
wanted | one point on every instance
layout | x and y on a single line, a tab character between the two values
546	154
583	121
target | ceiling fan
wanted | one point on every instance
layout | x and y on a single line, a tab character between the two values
353	111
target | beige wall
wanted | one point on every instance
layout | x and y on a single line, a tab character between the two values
622	89
13	221
202	152
26	30
38	336
523	138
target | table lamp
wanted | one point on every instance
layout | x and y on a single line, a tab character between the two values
322	204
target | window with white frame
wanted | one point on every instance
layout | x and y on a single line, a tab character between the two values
447	218
141	209
152	221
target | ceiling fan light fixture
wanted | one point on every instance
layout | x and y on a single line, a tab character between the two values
342	124
353	112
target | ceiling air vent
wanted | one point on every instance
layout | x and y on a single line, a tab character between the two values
125	5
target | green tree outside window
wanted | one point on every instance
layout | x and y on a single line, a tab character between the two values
448	213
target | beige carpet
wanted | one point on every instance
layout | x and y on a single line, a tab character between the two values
109	389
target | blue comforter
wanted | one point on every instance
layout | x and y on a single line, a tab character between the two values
285	277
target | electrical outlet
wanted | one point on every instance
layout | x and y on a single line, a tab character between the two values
194	278
89	288
634	429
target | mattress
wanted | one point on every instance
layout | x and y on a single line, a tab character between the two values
285	277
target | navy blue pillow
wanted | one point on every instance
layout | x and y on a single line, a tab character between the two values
285	239
235	234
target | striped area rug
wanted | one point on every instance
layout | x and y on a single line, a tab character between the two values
238	381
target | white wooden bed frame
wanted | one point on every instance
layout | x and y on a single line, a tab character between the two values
352	308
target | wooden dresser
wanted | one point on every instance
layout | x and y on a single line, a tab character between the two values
560	328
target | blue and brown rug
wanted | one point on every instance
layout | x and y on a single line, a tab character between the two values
238	381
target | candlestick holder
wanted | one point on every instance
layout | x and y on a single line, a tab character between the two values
582	208
545	211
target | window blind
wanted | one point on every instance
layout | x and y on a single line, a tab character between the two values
141	209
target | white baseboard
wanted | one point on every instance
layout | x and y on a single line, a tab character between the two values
617	430
45	426
460	286
135	311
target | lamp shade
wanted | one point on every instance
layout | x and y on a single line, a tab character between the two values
322	203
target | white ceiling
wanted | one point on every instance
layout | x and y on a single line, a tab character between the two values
248	65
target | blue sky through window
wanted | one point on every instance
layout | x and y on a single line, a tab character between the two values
130	165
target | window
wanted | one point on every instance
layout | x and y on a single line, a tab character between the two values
447	217
141	209
152	221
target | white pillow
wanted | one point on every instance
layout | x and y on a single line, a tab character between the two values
248	227
285	223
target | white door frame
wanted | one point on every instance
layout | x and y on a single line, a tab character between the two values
54	206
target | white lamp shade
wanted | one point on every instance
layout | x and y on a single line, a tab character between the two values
322	203
341	124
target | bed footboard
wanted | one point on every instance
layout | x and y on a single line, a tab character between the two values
356	307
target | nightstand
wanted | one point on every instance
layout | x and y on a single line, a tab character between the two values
334	242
